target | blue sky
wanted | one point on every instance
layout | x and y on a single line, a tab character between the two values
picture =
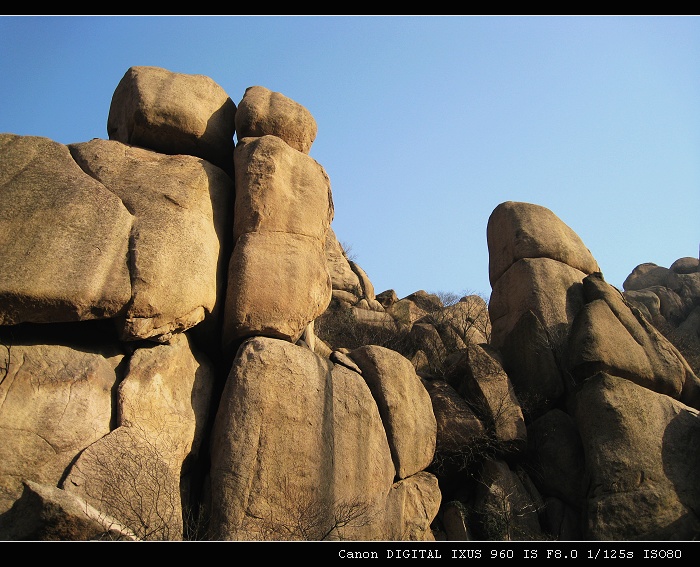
425	123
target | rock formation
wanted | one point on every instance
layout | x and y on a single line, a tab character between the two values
187	352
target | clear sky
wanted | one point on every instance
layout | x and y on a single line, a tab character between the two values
425	123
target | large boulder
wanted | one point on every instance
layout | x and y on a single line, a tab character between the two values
477	374
412	505
174	113
262	112
277	285
279	189
137	473
649	275
55	400
404	404
530	358
608	336
555	459
551	290
180	204
505	506
64	237
642	454
523	230
459	430
298	445
278	279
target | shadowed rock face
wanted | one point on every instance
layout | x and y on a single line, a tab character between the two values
642	453
163	373
608	336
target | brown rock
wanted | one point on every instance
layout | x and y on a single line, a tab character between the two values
412	505
342	276
296	435
516	231
174	113
630	437
487	387
64	237
459	430
55	401
550	289
180	204
607	336
47	513
404	404
279	189
278	283
264	112
555	458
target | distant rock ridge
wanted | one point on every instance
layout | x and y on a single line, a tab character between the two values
187	352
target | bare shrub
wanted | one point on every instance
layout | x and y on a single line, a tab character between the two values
339	328
131	480
296	513
5	360
506	511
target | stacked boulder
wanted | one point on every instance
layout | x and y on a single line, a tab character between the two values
668	297
140	272
610	405
578	420
303	447
114	259
163	374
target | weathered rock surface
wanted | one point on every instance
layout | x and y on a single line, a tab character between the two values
173	113
459	430
529	356
47	513
262	112
479	376
516	231
64	237
404	404
134	472
55	401
555	459
277	285
278	279
295	435
607	336
172	365
279	189
642	453
180	206
343	278
548	288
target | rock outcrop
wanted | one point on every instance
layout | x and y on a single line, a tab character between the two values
188	352
200	265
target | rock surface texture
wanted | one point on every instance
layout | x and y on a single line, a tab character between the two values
187	352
